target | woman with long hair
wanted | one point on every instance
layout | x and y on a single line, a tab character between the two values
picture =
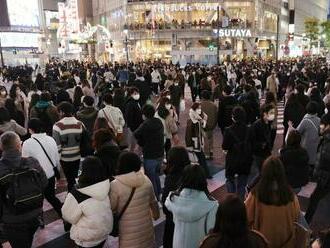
87	89
295	161
231	228
87	207
77	96
177	160
273	201
166	113
192	207
194	135
271	99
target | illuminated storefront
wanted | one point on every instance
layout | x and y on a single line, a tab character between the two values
186	31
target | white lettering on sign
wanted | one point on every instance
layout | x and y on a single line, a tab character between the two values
234	32
184	7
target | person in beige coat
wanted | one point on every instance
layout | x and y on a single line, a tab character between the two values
135	226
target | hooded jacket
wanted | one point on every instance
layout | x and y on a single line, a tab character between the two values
193	215
91	219
135	227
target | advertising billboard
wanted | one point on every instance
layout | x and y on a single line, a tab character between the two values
23	13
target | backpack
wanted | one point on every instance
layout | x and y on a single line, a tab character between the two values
242	152
23	190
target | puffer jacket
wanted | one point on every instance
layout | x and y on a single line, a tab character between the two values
135	228
91	219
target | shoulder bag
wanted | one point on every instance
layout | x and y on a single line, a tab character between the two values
56	172
117	217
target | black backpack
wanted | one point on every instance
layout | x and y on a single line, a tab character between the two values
23	190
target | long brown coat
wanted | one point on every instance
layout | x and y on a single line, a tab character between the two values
276	223
135	228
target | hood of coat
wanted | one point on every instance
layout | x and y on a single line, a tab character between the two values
132	179
98	191
191	205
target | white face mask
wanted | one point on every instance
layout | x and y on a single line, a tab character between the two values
176	84
136	97
168	97
168	106
288	74
199	111
3	93
326	111
271	117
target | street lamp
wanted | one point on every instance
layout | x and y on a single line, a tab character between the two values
126	44
1	55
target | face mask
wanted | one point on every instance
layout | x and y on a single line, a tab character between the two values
176	84
143	117
168	106
136	97
271	117
3	93
288	74
168	97
199	111
326	111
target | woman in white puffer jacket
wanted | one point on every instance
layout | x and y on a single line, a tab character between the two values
87	207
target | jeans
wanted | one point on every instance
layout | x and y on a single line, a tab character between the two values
316	197
237	185
51	196
152	170
20	235
255	168
70	169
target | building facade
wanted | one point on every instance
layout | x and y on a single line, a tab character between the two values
187	31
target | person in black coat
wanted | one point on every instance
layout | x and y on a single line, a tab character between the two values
260	135
302	98
106	150
251	107
294	111
295	161
322	169
226	106
175	92
143	86
316	97
234	143
177	159
150	136
133	115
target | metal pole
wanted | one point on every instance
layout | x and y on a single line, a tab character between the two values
126	48
277	36
218	31
1	55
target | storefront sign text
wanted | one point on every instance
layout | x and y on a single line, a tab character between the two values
234	33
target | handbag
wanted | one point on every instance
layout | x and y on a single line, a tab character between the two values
119	135
55	169
117	217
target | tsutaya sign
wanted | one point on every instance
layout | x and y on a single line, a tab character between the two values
239	33
183	7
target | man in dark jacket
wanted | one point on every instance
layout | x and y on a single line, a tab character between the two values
226	106
322	170
133	115
234	143
150	136
87	114
302	98
19	229
260	136
143	86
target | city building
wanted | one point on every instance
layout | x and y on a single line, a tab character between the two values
299	11
187	31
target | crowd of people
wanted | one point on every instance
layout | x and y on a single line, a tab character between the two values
113	129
